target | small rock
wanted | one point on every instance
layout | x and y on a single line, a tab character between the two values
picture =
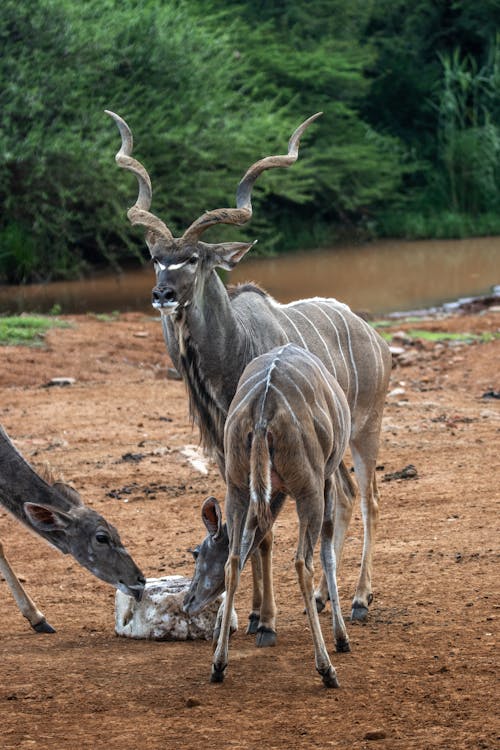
60	382
192	702
491	394
401	337
409	472
133	457
397	392
375	734
408	358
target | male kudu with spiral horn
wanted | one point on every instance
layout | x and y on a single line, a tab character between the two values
212	333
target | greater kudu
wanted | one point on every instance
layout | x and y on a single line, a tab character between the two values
55	511
286	431
212	333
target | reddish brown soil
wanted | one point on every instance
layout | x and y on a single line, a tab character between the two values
422	672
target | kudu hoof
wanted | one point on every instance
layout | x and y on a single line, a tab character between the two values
265	637
359	614
253	624
329	678
320	604
342	646
43	627
217	674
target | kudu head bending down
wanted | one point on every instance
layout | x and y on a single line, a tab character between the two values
182	263
56	512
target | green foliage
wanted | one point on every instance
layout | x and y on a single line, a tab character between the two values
409	141
469	140
26	330
175	80
436	87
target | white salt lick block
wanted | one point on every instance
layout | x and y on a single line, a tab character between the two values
159	615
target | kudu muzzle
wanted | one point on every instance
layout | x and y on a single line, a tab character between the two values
163	296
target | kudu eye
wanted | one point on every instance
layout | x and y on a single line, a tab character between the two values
102	538
195	552
193	260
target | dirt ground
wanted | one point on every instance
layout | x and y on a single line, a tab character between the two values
423	670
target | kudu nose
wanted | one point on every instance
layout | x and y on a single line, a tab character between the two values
162	295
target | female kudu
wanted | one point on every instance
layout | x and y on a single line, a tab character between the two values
55	511
286	432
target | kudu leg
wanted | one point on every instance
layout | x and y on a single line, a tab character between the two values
343	505
305	573
220	658
262	618
329	564
257	583
26	605
364	459
266	631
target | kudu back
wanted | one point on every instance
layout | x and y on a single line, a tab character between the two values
212	334
55	511
287	429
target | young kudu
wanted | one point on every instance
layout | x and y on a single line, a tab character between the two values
55	511
286	432
212	334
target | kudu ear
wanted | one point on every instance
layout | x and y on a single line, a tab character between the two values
211	515
44	518
227	254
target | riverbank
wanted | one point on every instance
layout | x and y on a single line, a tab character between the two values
422	670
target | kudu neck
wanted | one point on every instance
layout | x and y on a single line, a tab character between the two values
210	319
19	483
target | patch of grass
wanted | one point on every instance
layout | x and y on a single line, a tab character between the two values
436	336
444	336
28	330
394	322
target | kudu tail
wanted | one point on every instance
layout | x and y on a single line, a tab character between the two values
260	477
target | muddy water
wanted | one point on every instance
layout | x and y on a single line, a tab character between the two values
378	277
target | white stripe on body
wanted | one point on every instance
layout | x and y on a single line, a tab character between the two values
335	396
293	324
244	400
318	334
268	378
351	355
300	392
339	345
285	401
